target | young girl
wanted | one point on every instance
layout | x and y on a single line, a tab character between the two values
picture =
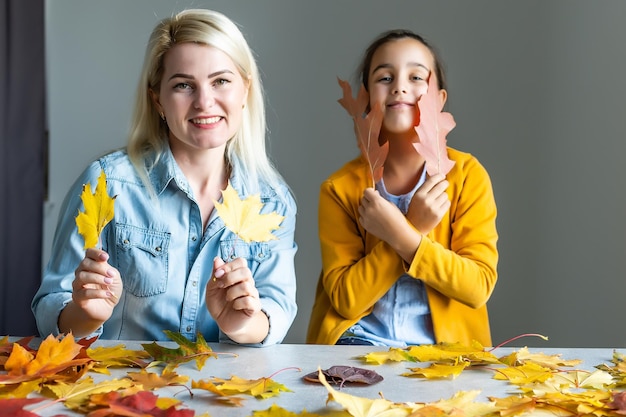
413	260
167	261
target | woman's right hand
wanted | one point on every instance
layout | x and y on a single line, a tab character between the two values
96	290
429	204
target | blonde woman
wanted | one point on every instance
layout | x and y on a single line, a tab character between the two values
167	261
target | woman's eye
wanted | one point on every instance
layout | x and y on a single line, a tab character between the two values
182	86
221	81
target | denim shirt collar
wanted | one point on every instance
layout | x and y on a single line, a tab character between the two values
166	170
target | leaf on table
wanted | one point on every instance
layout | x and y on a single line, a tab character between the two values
141	404
524	374
394	354
259	388
116	357
151	381
365	407
438	371
432	129
453	352
523	355
277	411
366	127
187	350
618	403
340	374
221	397
15	407
582	379
463	403
75	395
244	217
20	390
52	357
99	211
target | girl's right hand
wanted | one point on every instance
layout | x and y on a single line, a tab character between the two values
429	204
97	286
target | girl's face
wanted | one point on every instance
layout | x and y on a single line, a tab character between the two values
201	95
398	77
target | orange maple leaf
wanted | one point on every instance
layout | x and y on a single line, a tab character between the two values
432	129
366	127
52	354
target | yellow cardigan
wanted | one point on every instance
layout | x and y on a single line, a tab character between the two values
457	260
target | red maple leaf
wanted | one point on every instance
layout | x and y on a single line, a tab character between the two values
14	407
432	129
143	403
366	127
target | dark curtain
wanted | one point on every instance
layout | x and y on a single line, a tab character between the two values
22	160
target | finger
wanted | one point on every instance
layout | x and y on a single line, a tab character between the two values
96	254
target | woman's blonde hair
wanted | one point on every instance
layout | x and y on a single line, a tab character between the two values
148	134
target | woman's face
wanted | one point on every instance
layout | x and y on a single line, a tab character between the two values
202	95
398	77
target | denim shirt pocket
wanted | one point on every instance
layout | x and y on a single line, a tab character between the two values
142	259
254	252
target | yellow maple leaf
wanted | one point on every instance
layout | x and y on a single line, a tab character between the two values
151	381
259	388
99	210
116	356
243	217
437	370
76	394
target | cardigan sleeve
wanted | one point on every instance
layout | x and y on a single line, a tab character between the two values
353	277
459	257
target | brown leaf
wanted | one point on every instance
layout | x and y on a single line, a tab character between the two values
432	129
366	127
340	374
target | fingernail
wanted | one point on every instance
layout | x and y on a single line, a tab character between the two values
219	273
110	272
108	280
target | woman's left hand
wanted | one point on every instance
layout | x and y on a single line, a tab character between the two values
233	300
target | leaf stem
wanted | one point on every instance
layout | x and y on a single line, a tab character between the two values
518	337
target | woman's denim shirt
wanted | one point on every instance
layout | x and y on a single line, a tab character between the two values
164	258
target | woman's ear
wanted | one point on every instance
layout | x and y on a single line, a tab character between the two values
443	96
155	100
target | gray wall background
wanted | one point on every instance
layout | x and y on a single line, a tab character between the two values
537	89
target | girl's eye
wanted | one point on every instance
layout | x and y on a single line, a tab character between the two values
385	79
416	78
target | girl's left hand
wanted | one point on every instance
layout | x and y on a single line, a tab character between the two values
231	295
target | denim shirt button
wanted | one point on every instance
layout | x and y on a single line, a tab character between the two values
194	238
261	255
195	283
188	328
126	241
158	249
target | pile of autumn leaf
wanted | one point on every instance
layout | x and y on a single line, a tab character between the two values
58	370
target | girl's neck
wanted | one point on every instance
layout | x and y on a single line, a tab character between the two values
403	166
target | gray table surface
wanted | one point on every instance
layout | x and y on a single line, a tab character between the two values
253	363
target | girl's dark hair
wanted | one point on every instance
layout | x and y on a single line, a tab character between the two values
393	35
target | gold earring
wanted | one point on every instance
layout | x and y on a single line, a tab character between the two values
162	116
